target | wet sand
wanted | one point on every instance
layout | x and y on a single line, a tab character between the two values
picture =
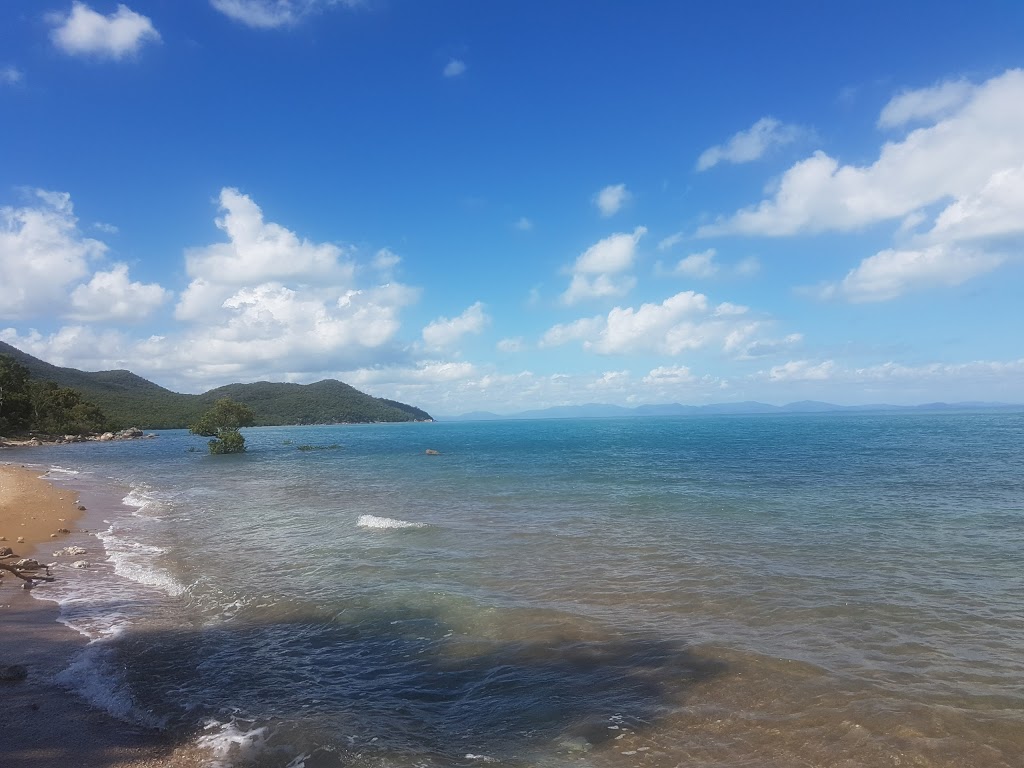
42	724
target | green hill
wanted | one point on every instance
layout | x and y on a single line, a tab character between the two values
130	400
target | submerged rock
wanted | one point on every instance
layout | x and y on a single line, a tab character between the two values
13	673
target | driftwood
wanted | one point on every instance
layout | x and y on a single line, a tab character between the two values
28	570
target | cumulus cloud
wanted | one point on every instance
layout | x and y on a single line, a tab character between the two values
84	32
698	265
42	253
454	68
968	160
597	271
267	298
611	199
256	252
950	159
892	273
685	321
749	145
925	103
446	332
112	295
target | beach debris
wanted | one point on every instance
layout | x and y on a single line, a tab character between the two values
28	570
21	540
13	673
3	538
63	530
81	507
53	535
69	551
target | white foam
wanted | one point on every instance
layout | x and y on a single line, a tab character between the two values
383	523
133	560
62	471
94	676
232	741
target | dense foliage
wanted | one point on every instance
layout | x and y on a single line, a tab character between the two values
130	400
45	407
222	423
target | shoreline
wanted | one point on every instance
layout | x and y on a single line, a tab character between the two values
45	725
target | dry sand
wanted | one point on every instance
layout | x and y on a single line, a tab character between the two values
41	724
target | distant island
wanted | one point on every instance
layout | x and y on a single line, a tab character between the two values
746	408
130	400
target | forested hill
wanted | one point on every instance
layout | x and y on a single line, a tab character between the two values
130	400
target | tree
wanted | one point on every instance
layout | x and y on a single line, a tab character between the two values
15	396
222	423
60	410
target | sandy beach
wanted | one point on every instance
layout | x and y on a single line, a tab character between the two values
42	724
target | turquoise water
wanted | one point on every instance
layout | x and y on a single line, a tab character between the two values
726	591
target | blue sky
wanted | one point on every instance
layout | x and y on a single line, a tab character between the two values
511	205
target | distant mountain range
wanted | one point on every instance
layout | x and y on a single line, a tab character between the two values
749	407
130	400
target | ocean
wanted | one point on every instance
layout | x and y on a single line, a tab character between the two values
793	590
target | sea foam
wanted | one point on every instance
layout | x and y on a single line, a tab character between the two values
383	523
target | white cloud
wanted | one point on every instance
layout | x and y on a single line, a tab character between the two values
260	14
970	160
668	242
107	229
954	158
83	31
610	199
385	260
10	75
454	68
563	333
445	332
675	374
597	271
892	273
685	321
42	253
749	145
256	252
925	103
267	300
524	224
511	345
700	265
112	295
271	14
802	370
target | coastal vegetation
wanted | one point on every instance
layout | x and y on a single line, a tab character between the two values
222	423
130	400
32	406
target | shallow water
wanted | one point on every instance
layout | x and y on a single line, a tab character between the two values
766	591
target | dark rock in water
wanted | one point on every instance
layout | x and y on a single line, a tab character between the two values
13	673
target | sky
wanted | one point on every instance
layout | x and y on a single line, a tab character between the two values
506	205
